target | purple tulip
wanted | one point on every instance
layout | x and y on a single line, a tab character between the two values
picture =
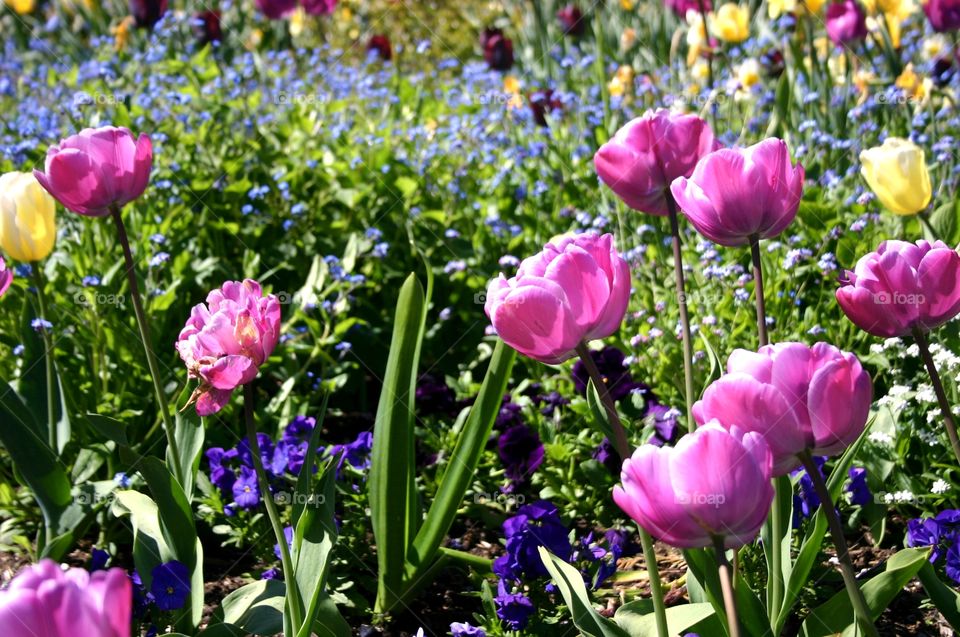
276	9
6	277
319	7
573	291
713	483
800	398
571	19
944	15
736	194
846	22
649	153
497	49
902	286
147	13
97	169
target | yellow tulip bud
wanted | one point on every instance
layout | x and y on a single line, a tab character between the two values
21	7
27	226
897	174
731	23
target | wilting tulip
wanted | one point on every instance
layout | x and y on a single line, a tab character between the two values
6	277
799	398
226	340
276	9
944	15
147	13
736	194
45	601
573	291
648	153
497	49
897	174
380	44
97	169
846	22
543	103
714	483
27	226
319	7
206	27
902	286
731	23
571	20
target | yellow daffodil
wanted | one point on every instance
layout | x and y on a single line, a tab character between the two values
912	84
27	217
749	73
897	174
731	23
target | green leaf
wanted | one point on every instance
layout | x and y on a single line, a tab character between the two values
836	615
598	413
464	460
107	428
256	608
391	485
944	222
189	433
638	620
945	598
570	583
32	384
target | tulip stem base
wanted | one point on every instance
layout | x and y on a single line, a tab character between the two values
684	316
948	420
656	589
726	586
144	328
293	594
620	442
860	608
47	358
758	290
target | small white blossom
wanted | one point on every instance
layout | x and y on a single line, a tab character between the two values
939	487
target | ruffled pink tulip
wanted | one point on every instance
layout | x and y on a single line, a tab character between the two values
97	169
799	398
714	483
573	291
225	341
648	153
735	194
902	286
846	22
45	601
6	277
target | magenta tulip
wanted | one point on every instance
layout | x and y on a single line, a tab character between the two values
714	484
799	398
225	341
682	7
46	601
902	286
6	277
648	153
573	291
944	15
846	22
319	7
736	194
276	9
97	169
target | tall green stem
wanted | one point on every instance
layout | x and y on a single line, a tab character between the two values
775	577
945	409
684	316
758	290
622	447
726	586
47	358
860	609
289	577
144	328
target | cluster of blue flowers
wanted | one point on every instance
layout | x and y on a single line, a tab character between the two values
941	532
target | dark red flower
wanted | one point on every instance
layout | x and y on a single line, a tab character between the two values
206	27
571	19
497	49
381	44
542	103
147	13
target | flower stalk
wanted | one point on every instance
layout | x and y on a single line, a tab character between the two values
945	409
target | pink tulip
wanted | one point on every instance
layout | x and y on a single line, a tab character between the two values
944	15
571	292
713	483
276	9
799	398
97	169
319	7
225	341
6	277
846	22
45	601
902	286
648	153
736	194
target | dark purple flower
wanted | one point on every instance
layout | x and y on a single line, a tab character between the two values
664	423
806	501
98	559
299	429
521	452
221	476
616	376
513	608
380	44
246	490
510	415
773	63
543	103
458	629
206	27
271	573
434	396
147	13
319	7
357	453
171	585
535	525
497	49
571	20
858	489
606	455
925	532
551	402
953	562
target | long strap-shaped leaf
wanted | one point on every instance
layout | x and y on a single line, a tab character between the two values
391	484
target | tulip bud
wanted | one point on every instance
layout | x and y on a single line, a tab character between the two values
497	49
846	22
27	218
147	13
571	19
543	103
944	15
897	174
276	9
319	7
206	27
380	45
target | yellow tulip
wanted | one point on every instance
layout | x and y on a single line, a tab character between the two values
21	7
731	23
776	8
897	174
814	6
27	226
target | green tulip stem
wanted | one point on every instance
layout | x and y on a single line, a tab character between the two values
948	420
758	290
684	316
293	593
168	425
860	609
726	586
38	283
622	447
